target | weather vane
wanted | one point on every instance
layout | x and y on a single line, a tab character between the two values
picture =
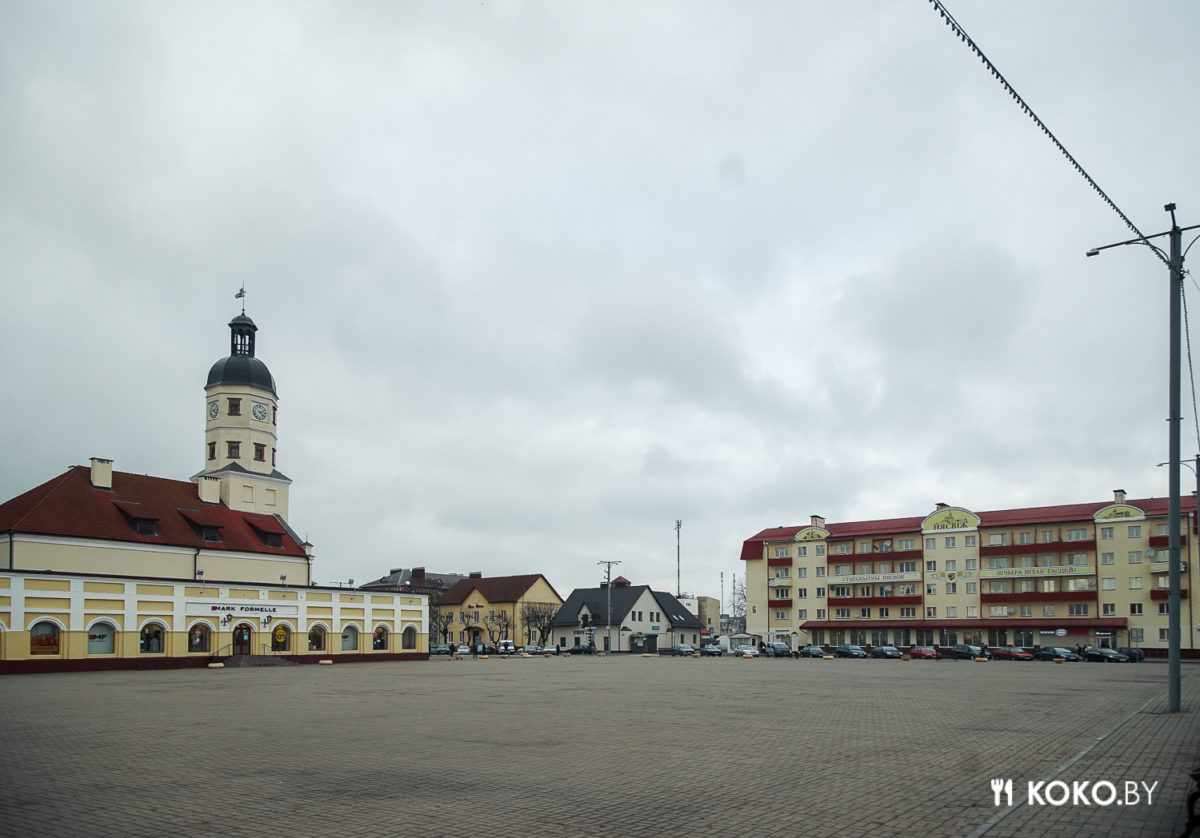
241	295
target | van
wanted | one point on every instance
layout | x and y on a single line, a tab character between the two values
506	647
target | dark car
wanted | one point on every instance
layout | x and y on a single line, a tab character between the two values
849	650
1010	653
777	650
1104	655
966	651
581	650
1134	654
711	650
886	652
811	652
1053	652
440	649
682	649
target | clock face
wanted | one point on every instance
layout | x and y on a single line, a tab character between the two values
212	410
260	412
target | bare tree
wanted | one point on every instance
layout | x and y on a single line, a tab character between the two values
470	621
539	616
737	604
440	619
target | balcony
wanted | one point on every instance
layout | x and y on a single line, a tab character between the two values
1164	594
779	603
782	561
1163	542
1039	596
874	600
1035	549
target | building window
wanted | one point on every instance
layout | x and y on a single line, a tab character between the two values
1108	583
1077	559
841	570
908	611
840	590
1025	537
842	613
968	541
998	586
1076	534
951	610
951	564
316	639
803	613
350	639
212	450
802	593
233	450
820	549
820	593
780	552
931	589
971	564
102	639
951	587
930	566
802	572
1164	635
281	639
43	639
972	611
780	614
379	640
820	613
996	563
931	544
951	541
1107	532
864	613
1108	558
997	610
1026	610
1077	609
907	567
864	547
972	587
199	638
1135	609
260	452
997	539
1137	635
1164	608
781	572
1108	609
908	544
842	549
1135	556
1135	531
1026	586
235	407
930	612
820	571
151	639
408	640
144	526
1047	610
1047	537
1135	583
883	613
801	551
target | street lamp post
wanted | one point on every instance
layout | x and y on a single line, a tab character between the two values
1174	262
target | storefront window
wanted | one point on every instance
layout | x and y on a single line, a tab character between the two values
350	639
102	639
152	639
409	640
43	639
199	638
316	639
379	641
281	639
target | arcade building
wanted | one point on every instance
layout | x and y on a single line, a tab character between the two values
102	569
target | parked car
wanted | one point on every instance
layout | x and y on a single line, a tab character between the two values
712	650
811	652
488	650
550	650
531	650
1104	655
682	649
746	650
850	650
506	647
886	652
440	649
923	653
579	649
1049	653
967	651
1010	653
1134	654
777	650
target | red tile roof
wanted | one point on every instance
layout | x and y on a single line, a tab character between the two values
494	589
69	506
752	547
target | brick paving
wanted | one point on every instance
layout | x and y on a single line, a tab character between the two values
593	747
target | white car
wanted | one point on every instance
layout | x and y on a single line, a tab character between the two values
746	650
531	650
550	650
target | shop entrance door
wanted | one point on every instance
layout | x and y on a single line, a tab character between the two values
241	640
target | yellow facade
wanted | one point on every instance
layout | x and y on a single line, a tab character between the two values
479	621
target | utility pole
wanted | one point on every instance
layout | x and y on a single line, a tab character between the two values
678	584
1174	262
608	589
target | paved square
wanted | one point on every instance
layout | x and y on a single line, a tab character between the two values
591	747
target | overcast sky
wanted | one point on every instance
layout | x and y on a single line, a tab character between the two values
537	279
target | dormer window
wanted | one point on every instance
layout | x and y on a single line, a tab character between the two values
204	525
136	517
144	526
268	529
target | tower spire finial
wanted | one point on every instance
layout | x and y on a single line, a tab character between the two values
241	295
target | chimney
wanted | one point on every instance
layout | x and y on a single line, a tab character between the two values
418	576
1118	495
816	521
101	473
210	489
476	574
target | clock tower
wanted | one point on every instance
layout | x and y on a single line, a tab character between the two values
240	413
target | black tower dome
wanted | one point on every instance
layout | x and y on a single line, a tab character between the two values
241	367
